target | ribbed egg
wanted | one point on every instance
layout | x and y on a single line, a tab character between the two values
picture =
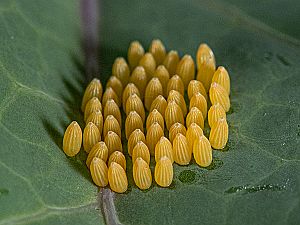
136	136
134	54
139	79
111	108
153	89
163	148
195	116
99	150
171	61
141	150
175	83
94	89
117	157
121	70
91	136
99	172
132	122
218	94
117	178
163	172
141	174
173	114
113	142
154	133
72	139
218	136
181	150
159	103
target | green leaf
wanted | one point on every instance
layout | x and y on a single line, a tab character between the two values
41	84
257	180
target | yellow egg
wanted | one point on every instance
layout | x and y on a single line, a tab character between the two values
155	116
163	75
97	119
116	85
111	124
121	70
149	64
186	70
175	83
175	129
141	150
109	94
94	89
117	178
221	77
91	136
181	150
99	172
154	133
218	136
206	65
99	150
134	103
133	121
171	61
92	105
194	87
160	104
202	151
218	94
200	102
130	89
135	53
193	132
141	174
139	79
173	114
179	99
117	157
215	112
113	142
153	89
158	51
136	136
163	172
163	148
111	108
195	116
204	53
72	139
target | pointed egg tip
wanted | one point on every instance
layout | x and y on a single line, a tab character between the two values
164	159
110	133
74	123
96	80
114	164
204	45
221	68
139	160
187	57
90	124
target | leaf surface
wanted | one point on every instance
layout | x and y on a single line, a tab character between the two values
41	84
257	180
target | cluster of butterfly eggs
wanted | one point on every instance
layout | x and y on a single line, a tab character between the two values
157	83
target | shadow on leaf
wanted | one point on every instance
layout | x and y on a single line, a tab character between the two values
71	95
77	162
53	132
107	56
